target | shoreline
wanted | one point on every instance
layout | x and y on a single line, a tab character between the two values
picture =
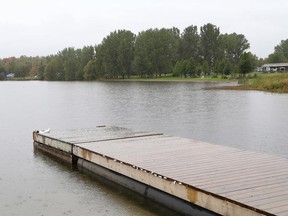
209	80
274	83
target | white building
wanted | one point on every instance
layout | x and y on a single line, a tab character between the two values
275	67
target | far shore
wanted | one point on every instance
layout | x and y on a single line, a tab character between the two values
275	82
160	79
138	79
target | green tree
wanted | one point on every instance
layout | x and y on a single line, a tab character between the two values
2	75
2	71
99	67
191	68
90	70
117	52
260	62
247	63
189	43
276	57
125	51
220	68
185	67
280	53
228	68
69	59
205	68
176	33
233	46
210	44
54	69
155	52
144	46
282	48
19	66
41	69
11	66
85	55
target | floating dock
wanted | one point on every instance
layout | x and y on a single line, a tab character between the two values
191	177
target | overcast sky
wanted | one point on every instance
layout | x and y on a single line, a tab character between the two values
44	27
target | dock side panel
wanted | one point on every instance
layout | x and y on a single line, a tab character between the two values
54	143
63	156
147	191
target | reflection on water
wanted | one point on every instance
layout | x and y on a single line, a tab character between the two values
34	184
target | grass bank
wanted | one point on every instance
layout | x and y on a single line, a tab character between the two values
277	83
21	79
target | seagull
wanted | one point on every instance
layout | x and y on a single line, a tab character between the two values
45	131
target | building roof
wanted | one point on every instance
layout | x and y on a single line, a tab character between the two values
276	65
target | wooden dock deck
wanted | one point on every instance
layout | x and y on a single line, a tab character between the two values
221	179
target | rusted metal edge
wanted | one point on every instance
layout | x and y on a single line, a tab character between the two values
56	153
190	193
151	193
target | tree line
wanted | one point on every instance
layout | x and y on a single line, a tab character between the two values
151	53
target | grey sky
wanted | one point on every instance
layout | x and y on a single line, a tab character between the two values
44	27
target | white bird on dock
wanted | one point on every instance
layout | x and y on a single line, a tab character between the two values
45	131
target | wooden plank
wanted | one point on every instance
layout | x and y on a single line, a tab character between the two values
262	198
281	209
274	206
271	200
282	214
232	171
219	179
257	194
255	190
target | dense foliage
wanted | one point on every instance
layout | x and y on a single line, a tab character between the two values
151	53
280	53
22	67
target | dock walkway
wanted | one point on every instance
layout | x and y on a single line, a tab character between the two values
224	180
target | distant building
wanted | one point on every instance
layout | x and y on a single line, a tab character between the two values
275	67
10	75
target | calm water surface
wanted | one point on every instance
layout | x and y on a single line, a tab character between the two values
34	184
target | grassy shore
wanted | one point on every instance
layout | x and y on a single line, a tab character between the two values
277	83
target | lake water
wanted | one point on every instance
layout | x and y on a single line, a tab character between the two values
34	184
